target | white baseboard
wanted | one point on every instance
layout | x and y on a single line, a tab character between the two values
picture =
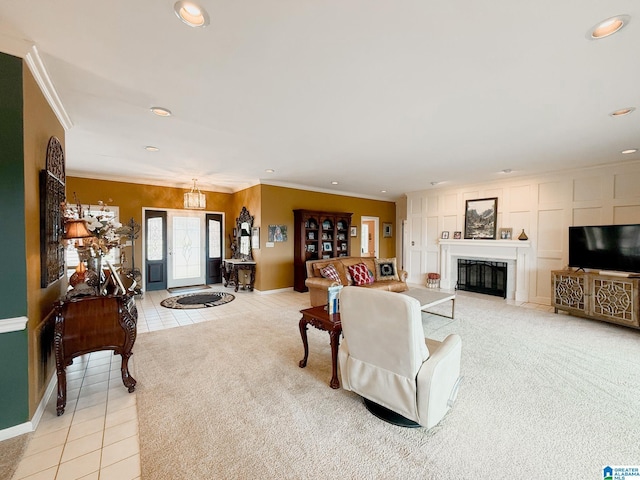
28	427
277	290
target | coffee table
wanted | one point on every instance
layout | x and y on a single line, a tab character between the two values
430	298
320	318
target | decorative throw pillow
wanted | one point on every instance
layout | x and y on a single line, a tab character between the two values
349	279
386	269
331	273
360	274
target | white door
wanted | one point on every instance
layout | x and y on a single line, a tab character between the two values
186	244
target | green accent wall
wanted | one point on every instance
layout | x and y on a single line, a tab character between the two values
14	399
14	387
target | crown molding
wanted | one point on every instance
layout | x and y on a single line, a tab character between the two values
329	191
41	75
145	181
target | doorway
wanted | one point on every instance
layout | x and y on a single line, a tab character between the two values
182	248
369	241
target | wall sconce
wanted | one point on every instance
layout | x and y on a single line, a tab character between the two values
194	199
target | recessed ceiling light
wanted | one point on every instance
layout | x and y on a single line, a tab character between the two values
161	112
334	183
506	170
435	183
628	151
623	111
608	27
383	191
191	13
270	170
151	148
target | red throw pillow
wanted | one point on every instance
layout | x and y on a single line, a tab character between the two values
360	274
331	273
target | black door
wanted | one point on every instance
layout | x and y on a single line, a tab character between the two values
214	248
156	249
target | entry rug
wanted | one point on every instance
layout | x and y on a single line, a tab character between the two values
197	300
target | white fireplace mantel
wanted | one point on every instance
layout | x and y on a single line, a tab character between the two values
515	253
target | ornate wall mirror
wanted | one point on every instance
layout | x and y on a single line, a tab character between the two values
244	224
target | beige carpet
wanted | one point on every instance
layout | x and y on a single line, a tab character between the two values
544	396
10	454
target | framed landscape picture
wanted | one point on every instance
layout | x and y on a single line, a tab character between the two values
480	218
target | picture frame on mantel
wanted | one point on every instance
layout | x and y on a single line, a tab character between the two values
480	219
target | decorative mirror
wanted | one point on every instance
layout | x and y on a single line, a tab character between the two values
244	225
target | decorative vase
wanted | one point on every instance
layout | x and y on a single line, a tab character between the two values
523	236
79	275
95	275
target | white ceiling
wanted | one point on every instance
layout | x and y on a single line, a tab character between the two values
379	95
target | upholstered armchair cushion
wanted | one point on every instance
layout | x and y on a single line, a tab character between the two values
384	356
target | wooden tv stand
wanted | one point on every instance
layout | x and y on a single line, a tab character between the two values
610	298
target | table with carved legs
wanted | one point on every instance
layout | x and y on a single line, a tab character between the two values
230	269
320	318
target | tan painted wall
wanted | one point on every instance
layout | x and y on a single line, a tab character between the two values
269	205
276	263
131	198
40	123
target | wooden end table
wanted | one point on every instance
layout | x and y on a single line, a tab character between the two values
320	318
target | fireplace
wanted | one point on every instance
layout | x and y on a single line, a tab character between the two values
482	276
515	253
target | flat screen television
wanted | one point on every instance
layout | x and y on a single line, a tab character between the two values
605	247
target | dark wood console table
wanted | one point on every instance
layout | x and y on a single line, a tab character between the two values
89	324
230	269
320	318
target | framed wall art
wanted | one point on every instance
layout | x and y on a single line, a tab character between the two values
277	233
505	234
387	231
255	237
480	218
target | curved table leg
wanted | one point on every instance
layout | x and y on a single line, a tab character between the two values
303	334
234	276
127	379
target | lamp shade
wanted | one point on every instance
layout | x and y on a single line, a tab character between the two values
76	228
194	199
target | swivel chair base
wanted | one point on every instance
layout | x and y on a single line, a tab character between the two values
389	416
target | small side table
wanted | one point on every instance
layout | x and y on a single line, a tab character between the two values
320	318
230	268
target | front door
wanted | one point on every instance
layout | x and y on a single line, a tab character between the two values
186	244
183	248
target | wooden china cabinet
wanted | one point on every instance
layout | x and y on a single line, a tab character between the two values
318	235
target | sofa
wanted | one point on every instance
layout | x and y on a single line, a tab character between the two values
386	276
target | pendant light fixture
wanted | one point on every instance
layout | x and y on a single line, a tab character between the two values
195	199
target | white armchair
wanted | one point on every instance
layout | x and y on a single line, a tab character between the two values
385	358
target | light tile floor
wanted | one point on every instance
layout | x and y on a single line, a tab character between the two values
97	436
